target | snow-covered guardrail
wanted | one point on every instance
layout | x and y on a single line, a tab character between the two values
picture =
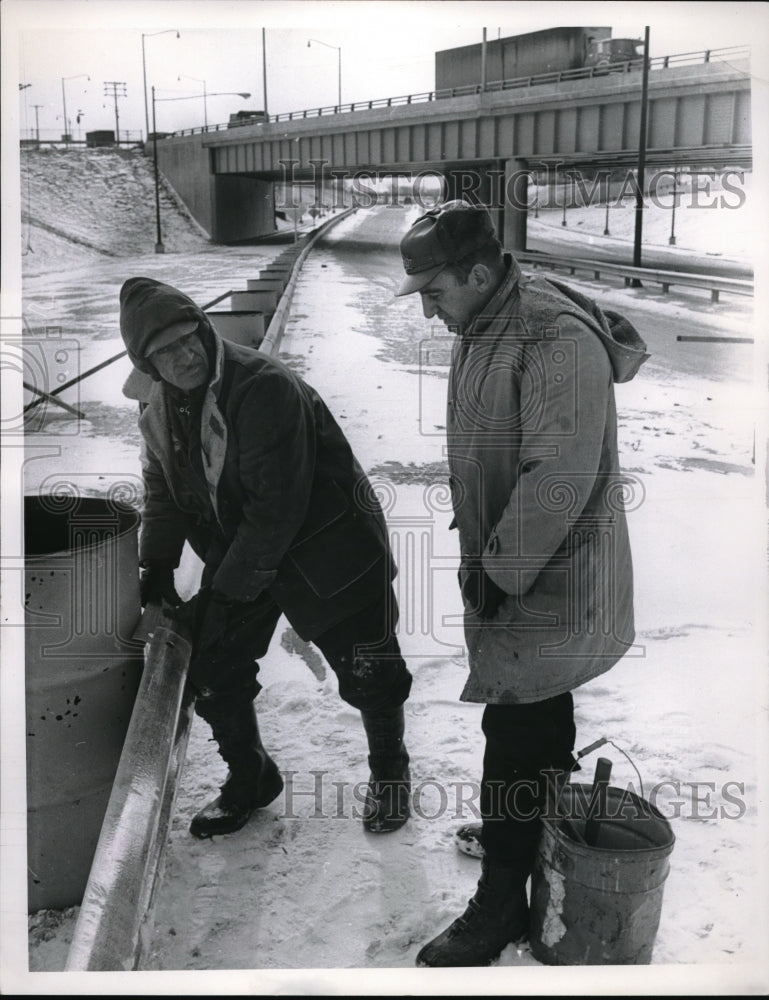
114	925
274	331
712	283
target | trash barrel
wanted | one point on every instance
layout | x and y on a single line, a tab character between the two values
599	904
82	674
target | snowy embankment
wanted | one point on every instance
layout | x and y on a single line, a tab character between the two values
300	887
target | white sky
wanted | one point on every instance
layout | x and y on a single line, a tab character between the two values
387	48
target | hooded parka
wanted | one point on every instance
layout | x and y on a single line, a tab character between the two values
536	486
291	510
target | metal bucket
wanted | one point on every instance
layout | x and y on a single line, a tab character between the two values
601	904
82	674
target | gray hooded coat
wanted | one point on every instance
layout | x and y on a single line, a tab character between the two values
536	487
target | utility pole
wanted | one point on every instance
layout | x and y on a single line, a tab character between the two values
483	63
264	72
639	196
118	90
37	121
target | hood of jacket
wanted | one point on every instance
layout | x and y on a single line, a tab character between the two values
624	345
148	306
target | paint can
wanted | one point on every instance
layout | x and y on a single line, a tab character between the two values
599	903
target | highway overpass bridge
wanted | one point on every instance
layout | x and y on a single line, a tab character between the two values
484	142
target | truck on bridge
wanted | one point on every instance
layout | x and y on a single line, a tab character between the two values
536	52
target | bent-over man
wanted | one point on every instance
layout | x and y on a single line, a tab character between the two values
244	461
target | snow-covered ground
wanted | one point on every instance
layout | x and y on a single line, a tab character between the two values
301	888
714	213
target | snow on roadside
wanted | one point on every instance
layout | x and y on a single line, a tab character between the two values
301	886
715	218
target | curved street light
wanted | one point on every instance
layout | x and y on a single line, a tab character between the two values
339	55
205	103
77	76
159	247
150	34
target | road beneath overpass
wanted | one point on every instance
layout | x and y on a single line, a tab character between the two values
366	249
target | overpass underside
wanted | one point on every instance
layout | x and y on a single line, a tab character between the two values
486	145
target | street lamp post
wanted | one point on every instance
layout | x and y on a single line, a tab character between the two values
159	247
672	240
205	104
563	220
166	31
77	76
339	58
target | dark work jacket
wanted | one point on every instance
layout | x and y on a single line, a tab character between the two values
292	511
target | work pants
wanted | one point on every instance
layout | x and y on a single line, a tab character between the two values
362	650
526	745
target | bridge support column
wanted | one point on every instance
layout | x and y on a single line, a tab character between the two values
515	211
502	187
480	183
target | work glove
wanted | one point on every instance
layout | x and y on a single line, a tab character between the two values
212	612
156	584
480	594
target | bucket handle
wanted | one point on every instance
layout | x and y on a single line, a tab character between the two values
602	742
573	832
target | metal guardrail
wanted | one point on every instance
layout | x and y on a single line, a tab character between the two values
713	283
698	58
32	137
114	925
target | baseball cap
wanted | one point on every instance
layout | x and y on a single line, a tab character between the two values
169	334
442	236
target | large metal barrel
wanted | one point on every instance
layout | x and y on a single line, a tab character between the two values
82	675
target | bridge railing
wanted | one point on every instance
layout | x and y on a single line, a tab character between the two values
556	76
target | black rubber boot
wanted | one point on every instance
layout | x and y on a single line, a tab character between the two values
253	780
497	915
389	789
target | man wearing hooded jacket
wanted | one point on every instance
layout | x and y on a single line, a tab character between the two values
545	566
243	460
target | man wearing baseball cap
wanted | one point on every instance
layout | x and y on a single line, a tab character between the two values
243	460
545	567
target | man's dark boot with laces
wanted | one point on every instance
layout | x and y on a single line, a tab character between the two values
497	915
389	790
253	780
